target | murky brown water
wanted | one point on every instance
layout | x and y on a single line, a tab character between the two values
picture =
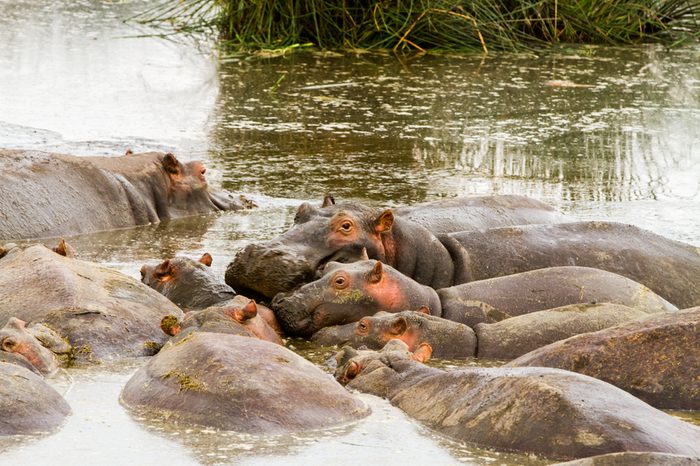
599	133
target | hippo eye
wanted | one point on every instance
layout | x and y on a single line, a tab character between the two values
340	282
346	226
202	171
362	327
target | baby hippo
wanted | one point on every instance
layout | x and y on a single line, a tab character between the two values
449	340
232	318
193	286
33	346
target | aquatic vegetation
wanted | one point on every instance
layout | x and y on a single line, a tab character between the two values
410	25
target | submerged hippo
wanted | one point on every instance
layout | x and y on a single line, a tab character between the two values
37	345
44	194
231	317
633	458
242	384
348	292
193	286
404	238
101	313
449	340
506	339
28	405
549	412
657	359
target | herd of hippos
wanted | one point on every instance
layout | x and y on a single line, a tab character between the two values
599	320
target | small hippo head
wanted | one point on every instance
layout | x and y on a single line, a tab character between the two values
188	190
37	344
333	232
348	292
188	283
376	371
228	318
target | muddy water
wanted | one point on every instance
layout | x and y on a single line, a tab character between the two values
599	133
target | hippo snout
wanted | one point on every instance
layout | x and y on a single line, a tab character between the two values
293	314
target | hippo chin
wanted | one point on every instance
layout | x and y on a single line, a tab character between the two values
404	238
241	384
44	194
549	412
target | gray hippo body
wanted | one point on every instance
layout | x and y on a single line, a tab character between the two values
242	384
657	359
549	412
635	459
103	314
28	405
44	194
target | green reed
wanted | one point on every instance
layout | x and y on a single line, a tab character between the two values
432	24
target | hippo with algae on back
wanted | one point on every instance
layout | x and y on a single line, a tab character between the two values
241	384
347	292
549	412
400	237
45	194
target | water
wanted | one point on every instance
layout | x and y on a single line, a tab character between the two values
599	133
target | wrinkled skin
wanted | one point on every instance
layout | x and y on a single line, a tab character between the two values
232	317
405	239
669	268
242	384
516	336
549	412
448	339
192	285
28	405
36	343
496	299
44	195
635	459
656	359
101	313
347	292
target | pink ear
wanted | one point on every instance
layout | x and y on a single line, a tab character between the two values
352	370
328	201
423	353
241	314
171	164
206	259
376	274
164	271
424	310
384	222
399	326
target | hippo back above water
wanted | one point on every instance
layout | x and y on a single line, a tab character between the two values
44	194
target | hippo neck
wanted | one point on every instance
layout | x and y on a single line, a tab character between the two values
412	250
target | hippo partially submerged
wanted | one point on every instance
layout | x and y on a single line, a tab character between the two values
44	194
347	292
28	405
241	384
404	238
549	412
35	345
657	358
101	313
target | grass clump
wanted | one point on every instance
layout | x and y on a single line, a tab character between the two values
432	24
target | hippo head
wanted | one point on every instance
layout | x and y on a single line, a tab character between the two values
188	283
37	344
231	319
188	190
347	292
377	371
372	332
318	236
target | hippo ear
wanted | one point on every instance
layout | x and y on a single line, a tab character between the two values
129	152
9	344
399	326
384	222
206	259
170	325
424	310
423	353
328	201
363	255
303	213
63	249
164	271
375	275
241	314
353	370
171	164
3	251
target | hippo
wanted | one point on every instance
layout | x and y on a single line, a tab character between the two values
230	318
45	194
657	359
633	458
347	292
339	232
36	344
101	313
28	405
449	340
549	412
192	285
241	384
